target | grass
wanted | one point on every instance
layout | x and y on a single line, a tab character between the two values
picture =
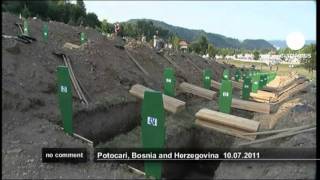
283	69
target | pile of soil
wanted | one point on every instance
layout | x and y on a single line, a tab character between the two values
106	74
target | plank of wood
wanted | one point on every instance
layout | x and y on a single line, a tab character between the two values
136	63
278	136
251	106
280	83
228	120
235	85
169	103
281	130
70	46
193	64
173	63
198	91
215	84
74	80
292	92
224	129
263	94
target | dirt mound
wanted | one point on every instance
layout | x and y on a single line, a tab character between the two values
104	71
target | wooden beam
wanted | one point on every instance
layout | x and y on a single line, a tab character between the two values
281	130
235	85
173	63
169	103
224	129
251	106
198	91
278	136
291	92
193	64
70	46
136	63
229	120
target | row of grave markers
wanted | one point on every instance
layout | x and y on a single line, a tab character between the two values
153	114
45	32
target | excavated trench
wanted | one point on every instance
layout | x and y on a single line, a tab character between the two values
102	125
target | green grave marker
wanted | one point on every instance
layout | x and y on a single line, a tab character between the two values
246	89
45	32
261	81
237	75
65	98
206	78
225	96
169	82
225	75
265	82
25	28
82	37
255	83
153	129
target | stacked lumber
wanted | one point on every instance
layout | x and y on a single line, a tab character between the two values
226	123
260	107
198	91
169	103
277	97
281	82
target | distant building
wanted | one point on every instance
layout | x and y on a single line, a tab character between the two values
183	45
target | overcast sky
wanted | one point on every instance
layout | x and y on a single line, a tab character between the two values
268	20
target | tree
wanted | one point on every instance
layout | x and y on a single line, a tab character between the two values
256	55
195	47
212	51
203	43
105	27
310	63
92	20
81	5
174	40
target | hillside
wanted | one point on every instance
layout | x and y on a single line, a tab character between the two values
217	39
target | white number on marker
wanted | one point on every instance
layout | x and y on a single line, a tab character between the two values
152	121
63	89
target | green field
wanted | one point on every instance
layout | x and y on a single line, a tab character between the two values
283	69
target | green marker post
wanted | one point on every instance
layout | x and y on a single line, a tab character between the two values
255	83
153	129
82	38
25	28
169	82
206	78
261	81
65	98
225	75
225	96
246	89
45	32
